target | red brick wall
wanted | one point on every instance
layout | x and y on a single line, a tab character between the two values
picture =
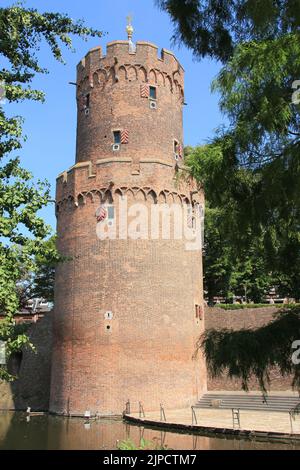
116	103
32	387
151	286
216	318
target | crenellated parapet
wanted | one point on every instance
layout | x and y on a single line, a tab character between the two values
129	104
119	65
115	177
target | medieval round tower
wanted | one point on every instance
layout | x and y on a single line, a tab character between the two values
129	297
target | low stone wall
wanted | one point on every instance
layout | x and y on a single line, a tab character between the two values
32	387
217	318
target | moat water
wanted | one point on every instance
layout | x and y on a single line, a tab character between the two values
19	431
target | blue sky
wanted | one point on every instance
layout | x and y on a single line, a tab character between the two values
51	127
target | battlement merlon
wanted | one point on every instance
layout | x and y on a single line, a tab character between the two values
146	54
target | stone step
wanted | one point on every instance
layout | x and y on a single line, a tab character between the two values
280	403
254	400
247	407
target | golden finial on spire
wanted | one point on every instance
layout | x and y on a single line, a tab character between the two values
129	28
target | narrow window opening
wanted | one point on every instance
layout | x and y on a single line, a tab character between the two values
117	137
152	92
190	217
111	212
198	309
87	101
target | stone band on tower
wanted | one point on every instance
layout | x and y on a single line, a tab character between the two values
128	312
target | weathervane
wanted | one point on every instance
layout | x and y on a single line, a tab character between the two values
129	28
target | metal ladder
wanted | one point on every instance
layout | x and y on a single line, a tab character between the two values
236	418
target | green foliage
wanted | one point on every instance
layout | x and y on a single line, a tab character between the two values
250	169
247	353
22	231
15	338
144	445
215	27
39	282
243	256
246	306
231	267
217	259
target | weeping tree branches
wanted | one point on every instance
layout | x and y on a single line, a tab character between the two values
253	353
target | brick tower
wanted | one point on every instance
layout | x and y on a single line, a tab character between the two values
128	311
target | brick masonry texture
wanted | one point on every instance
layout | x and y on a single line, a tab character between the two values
145	352
216	318
33	385
116	103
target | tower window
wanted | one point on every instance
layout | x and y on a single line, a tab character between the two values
110	215
152	92
117	137
87	100
176	147
199	312
111	212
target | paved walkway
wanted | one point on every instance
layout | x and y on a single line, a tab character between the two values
255	421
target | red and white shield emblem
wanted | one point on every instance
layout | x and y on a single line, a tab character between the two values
101	213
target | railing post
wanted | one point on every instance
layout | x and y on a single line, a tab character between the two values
293	412
162	413
194	416
291	421
141	410
127	408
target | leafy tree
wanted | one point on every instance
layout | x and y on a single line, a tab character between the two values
235	261
22	231
217	262
230	272
252	168
254	161
39	283
250	277
215	27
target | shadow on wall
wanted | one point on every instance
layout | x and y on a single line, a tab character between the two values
32	388
237	320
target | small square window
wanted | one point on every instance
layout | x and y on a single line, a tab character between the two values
152	92
117	137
